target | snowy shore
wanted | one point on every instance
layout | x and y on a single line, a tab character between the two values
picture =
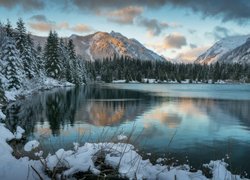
122	157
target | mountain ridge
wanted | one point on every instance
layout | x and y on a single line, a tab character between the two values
219	49
101	45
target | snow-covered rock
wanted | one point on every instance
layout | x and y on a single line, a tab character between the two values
220	48
29	146
2	115
19	132
122	137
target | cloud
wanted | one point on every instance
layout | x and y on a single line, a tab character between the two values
191	55
81	28
192	31
153	26
175	40
171	43
192	46
124	15
38	17
41	23
227	10
42	26
23	4
220	32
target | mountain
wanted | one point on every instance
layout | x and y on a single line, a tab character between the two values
102	45
240	54
220	48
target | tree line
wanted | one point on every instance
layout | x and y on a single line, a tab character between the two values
128	69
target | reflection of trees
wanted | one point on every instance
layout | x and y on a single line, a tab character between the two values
62	106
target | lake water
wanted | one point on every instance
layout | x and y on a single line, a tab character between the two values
194	122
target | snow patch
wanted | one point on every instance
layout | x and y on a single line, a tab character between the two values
29	146
122	137
19	132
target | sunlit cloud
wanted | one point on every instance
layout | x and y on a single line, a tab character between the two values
81	28
124	15
191	55
41	23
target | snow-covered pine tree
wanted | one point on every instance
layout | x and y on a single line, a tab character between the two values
52	61
8	29
64	58
2	94
12	64
21	36
40	60
72	74
82	72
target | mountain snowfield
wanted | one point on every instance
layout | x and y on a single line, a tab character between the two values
241	54
101	45
224	46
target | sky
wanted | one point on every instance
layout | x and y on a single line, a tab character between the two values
180	29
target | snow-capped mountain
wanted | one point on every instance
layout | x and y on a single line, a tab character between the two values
102	45
220	48
241	54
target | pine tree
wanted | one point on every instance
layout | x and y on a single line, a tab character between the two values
40	61
13	67
73	75
64	58
52	61
21	40
8	28
2	94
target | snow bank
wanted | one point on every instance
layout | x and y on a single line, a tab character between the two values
29	146
118	81
2	115
50	83
19	132
129	163
12	168
120	156
122	137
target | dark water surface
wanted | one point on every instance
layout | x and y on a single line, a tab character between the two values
195	122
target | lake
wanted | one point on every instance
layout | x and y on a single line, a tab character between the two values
187	123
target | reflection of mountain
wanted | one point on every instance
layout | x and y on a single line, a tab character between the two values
108	113
60	107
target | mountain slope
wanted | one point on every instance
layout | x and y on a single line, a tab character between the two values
213	54
240	54
102	45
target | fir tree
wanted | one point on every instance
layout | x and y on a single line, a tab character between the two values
13	67
21	40
8	28
52	61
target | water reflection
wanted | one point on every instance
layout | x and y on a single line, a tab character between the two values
203	126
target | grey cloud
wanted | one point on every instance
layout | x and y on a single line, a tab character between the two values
153	26
39	17
193	45
219	32
175	40
23	4
227	10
